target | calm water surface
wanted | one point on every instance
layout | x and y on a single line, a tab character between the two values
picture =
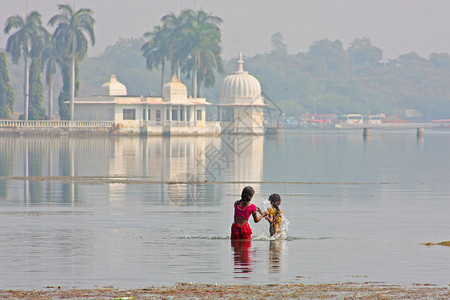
134	212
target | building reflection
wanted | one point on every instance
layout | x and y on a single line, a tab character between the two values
34	161
245	154
175	170
7	153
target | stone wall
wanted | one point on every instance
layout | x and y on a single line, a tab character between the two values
55	131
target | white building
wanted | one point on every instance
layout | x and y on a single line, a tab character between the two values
172	114
240	106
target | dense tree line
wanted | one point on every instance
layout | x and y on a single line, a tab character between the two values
327	78
331	79
65	47
191	43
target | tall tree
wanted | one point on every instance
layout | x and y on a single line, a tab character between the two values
327	55
6	91
202	42
70	39
23	42
36	110
362	52
278	45
36	97
158	49
179	54
50	58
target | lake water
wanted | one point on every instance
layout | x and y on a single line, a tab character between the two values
134	212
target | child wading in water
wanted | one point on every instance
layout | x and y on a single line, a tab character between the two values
274	215
242	212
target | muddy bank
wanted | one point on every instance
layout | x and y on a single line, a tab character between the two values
445	243
269	291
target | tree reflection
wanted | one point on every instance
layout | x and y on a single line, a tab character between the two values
6	164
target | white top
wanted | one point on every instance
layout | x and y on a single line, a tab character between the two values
240	87
113	88
174	91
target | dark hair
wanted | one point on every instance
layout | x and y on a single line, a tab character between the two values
274	198
247	194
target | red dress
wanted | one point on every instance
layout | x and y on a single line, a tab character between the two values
243	232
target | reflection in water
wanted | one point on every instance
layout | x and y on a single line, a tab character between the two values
245	154
275	255
242	259
7	150
104	215
176	168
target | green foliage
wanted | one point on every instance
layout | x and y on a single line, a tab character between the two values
328	79
126	61
28	40
191	42
278	44
70	39
361	52
35	110
6	91
64	95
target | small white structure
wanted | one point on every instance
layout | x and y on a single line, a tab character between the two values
240	105
240	108
172	114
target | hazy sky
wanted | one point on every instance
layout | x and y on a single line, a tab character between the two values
396	26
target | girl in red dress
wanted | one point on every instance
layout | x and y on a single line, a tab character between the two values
242	212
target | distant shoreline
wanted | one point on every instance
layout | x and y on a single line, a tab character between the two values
248	291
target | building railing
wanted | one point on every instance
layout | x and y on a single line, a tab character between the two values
180	123
57	124
212	124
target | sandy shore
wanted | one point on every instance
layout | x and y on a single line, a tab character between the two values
270	291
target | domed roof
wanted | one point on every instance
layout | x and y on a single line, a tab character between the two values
174	91
240	87
113	88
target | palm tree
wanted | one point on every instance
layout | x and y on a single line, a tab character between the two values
50	58
157	50
36	93
202	37
6	91
69	37
21	43
178	55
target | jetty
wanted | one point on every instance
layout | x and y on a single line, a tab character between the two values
367	127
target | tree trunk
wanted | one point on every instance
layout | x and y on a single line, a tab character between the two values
50	100
72	87
194	79
199	89
26	87
163	66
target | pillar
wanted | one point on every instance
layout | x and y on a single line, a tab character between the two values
420	132
366	132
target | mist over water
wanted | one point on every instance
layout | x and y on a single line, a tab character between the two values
132	212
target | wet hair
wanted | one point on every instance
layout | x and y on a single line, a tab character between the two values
274	198
247	194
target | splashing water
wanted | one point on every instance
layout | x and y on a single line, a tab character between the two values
284	226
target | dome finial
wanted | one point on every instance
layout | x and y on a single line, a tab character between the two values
240	62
